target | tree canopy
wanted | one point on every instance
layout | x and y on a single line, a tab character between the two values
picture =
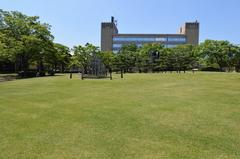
28	43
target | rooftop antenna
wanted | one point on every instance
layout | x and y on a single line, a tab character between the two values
116	22
112	19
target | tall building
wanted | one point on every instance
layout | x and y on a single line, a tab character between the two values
111	40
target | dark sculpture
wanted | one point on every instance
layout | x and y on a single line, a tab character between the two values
96	70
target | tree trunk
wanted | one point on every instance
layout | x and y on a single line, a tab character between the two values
110	73
62	68
15	67
121	73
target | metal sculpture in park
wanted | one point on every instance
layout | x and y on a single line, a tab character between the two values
96	70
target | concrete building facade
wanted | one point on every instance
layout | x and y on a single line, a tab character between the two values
111	40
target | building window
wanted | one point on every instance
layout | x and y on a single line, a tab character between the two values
149	39
117	45
170	46
133	39
176	39
159	39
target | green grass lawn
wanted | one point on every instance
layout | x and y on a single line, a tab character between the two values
142	116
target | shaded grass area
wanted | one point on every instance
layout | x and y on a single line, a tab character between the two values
7	77
141	116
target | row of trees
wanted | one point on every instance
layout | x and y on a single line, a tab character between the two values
210	55
27	44
156	58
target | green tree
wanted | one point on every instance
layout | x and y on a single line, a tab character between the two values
127	57
10	48
141	60
163	63
63	56
185	57
108	59
3	54
83	55
233	57
26	38
214	51
151	54
236	57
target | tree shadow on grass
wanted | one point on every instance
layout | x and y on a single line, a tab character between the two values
7	77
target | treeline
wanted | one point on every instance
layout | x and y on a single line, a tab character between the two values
211	55
27	48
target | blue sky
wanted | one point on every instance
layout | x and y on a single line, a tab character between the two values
77	22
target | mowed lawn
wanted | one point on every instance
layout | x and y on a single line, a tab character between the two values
143	116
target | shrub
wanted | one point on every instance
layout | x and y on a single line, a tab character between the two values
211	69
